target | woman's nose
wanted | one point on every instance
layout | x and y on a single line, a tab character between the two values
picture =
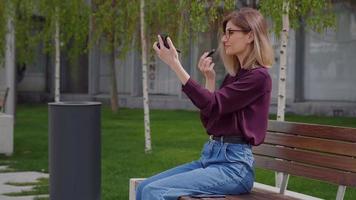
223	38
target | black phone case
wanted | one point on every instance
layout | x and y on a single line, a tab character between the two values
164	38
211	53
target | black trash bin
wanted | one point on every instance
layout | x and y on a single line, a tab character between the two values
74	150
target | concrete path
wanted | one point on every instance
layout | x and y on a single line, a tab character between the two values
21	198
18	177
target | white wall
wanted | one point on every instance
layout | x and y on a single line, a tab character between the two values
330	61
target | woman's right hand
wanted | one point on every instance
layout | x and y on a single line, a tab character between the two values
206	66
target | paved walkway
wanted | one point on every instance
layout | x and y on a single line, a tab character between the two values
18	177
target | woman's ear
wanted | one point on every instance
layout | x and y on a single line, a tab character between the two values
250	37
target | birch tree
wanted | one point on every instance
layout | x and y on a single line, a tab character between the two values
57	57
3	20
287	14
156	17
159	19
38	21
148	147
160	16
283	62
9	45
65	26
14	18
115	23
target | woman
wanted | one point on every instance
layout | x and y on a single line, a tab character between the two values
235	116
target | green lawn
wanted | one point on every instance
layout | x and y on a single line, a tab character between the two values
177	137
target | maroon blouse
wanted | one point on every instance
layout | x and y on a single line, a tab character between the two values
239	107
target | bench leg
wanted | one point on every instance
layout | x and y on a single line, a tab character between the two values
340	192
133	185
278	179
284	183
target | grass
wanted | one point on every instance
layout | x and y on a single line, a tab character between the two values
177	138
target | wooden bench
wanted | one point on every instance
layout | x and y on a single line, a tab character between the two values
3	97
325	153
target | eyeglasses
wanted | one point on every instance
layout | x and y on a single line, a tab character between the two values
229	32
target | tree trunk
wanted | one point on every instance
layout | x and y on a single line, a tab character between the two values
10	63
283	65
282	74
114	94
57	60
112	40
148	147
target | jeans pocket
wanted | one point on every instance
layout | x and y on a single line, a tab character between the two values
234	152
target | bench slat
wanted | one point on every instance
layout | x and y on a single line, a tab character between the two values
343	163
315	144
313	130
298	169
260	194
256	194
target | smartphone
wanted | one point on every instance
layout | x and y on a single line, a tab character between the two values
211	53
165	42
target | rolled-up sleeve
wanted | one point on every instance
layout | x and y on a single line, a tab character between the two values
232	97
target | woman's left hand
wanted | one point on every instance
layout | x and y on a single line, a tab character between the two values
169	56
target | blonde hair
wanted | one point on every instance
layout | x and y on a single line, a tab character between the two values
261	49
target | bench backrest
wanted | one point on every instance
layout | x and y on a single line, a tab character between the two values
319	152
3	97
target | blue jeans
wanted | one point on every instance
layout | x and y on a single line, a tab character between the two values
223	168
